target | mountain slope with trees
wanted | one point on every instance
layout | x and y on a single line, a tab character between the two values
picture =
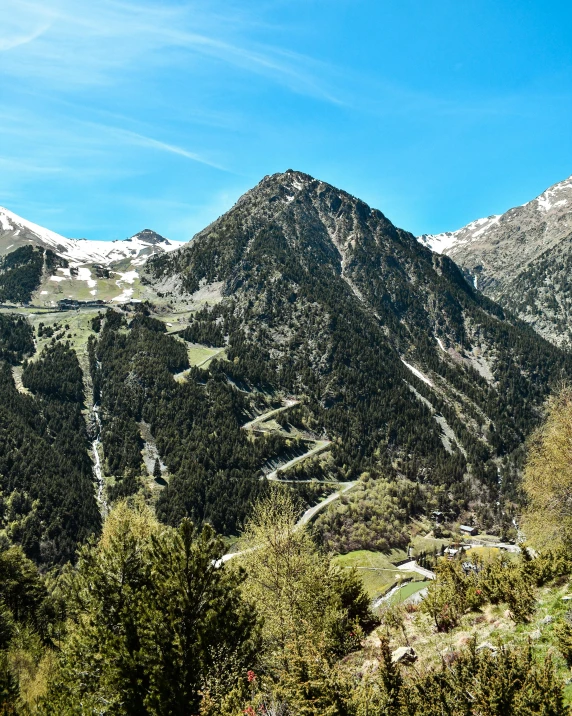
47	499
397	358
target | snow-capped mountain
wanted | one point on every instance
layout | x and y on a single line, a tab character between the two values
551	212
16	232
522	259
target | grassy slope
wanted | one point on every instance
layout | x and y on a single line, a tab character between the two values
377	570
492	624
407	590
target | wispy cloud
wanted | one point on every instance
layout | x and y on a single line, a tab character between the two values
9	43
82	43
28	167
144	141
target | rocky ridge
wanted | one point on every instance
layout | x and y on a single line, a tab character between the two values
521	259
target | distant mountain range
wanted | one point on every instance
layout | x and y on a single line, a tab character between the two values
16	232
522	259
87	269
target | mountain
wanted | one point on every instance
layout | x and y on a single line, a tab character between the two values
395	357
302	336
300	339
38	265
522	259
16	232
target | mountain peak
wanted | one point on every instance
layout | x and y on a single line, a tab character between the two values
551	206
148	236
16	232
521	258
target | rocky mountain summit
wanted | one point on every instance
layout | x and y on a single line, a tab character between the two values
369	356
522	259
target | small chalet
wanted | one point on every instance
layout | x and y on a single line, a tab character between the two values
468	530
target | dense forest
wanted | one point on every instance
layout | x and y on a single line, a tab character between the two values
47	501
21	272
16	339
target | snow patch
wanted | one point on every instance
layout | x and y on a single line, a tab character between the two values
127	277
82	251
84	274
4	222
417	372
550	198
125	296
557	196
439	243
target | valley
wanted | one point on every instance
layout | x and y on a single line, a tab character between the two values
301	338
338	403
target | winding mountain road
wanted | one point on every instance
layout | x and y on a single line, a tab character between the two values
288	403
273	476
304	520
319	445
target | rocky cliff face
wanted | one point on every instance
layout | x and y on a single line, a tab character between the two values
522	259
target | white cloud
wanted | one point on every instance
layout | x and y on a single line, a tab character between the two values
9	43
144	141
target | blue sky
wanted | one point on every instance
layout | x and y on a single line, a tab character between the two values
117	116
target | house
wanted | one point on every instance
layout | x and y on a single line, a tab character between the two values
468	530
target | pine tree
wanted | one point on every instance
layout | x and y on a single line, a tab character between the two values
154	621
157	469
